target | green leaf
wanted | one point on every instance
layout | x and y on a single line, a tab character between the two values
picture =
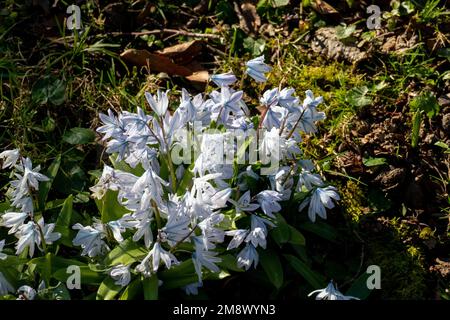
150	286
358	97
108	290
296	237
359	287
186	181
49	89
62	224
58	292
442	145
279	3
416	121
426	103
254	47
79	136
314	279
109	207
178	276
266	4
132	290
44	187
321	229
87	276
344	32
372	162
272	266
125	253
281	234
65	215
229	263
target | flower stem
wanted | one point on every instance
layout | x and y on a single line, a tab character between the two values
157	214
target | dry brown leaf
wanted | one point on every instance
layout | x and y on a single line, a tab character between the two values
251	17
200	77
193	72
324	8
156	62
249	20
183	53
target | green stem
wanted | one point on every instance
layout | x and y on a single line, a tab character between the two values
157	215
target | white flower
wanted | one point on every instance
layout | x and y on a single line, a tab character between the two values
204	258
224	79
13	220
275	116
330	293
143	229
286	99
5	286
268	202
308	180
227	101
256	69
22	201
247	257
321	198
113	126
270	97
9	158
151	262
310	101
243	204
220	198
238	237
116	229
90	240
29	236
31	176
258	231
257	237
2	255
192	289
47	230
176	229
282	182
158	103
121	274
109	180
270	145
149	186
186	108
26	293
211	234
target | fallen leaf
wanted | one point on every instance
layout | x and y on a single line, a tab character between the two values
156	62
193	71
249	20
324	8
200	77
183	53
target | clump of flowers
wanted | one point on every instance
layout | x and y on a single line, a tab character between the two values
187	190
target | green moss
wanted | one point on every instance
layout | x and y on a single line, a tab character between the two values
402	274
353	200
